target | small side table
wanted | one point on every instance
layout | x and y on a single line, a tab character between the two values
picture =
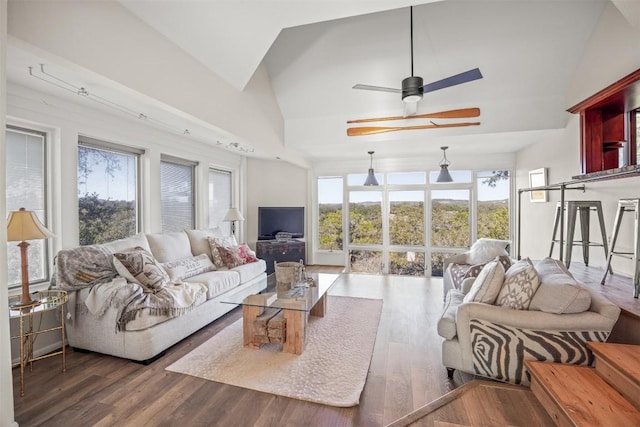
46	301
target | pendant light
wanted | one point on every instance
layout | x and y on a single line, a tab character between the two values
444	175
371	177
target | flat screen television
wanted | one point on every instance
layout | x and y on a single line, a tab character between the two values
272	220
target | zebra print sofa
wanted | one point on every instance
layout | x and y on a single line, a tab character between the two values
493	341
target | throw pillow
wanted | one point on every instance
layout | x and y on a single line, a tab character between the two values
214	242
484	250
230	256
139	266
188	267
475	270
520	284
559	292
245	252
487	285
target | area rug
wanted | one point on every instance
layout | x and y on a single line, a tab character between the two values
331	370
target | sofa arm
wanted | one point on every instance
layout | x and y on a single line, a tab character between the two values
532	319
495	341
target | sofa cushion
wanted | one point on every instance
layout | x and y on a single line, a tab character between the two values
250	270
520	284
484	250
167	247
139	266
199	240
121	245
559	292
217	282
447	322
487	285
187	267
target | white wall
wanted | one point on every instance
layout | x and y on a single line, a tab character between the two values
274	183
106	39
6	375
611	54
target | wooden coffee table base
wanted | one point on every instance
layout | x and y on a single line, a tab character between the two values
295	317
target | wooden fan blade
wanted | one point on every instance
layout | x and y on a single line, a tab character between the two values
371	130
377	88
451	114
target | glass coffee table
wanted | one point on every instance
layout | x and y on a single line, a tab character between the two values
281	317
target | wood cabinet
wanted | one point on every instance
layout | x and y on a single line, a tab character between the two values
272	250
608	133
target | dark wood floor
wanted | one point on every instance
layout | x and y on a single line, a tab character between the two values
405	374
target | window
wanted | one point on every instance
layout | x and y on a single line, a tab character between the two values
177	202
219	199
108	199
330	224
450	226
26	188
493	204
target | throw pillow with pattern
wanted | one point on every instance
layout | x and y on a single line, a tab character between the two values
520	284
230	256
475	270
139	266
245	252
224	242
188	267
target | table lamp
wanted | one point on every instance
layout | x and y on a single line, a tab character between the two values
233	215
23	225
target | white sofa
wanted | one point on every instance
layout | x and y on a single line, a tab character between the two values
147	336
491	340
482	251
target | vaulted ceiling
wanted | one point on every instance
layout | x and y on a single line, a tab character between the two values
315	51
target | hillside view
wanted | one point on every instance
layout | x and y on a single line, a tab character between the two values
449	228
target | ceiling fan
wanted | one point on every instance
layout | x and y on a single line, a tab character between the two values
413	87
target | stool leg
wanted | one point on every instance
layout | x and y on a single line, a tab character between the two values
555	229
614	238
571	228
604	235
585	214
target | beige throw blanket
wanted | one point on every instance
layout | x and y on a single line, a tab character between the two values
129	299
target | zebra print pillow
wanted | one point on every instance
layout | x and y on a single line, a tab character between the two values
499	351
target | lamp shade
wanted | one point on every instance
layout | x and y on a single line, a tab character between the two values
233	214
444	175
24	225
371	178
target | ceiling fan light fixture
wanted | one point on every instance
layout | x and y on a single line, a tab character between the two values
444	175
371	177
412	89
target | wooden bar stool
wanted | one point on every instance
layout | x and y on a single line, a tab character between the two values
584	208
626	205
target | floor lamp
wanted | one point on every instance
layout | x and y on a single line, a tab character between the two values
23	225
233	215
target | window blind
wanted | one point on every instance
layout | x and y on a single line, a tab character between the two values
177	194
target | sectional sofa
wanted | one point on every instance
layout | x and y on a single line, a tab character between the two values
99	294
